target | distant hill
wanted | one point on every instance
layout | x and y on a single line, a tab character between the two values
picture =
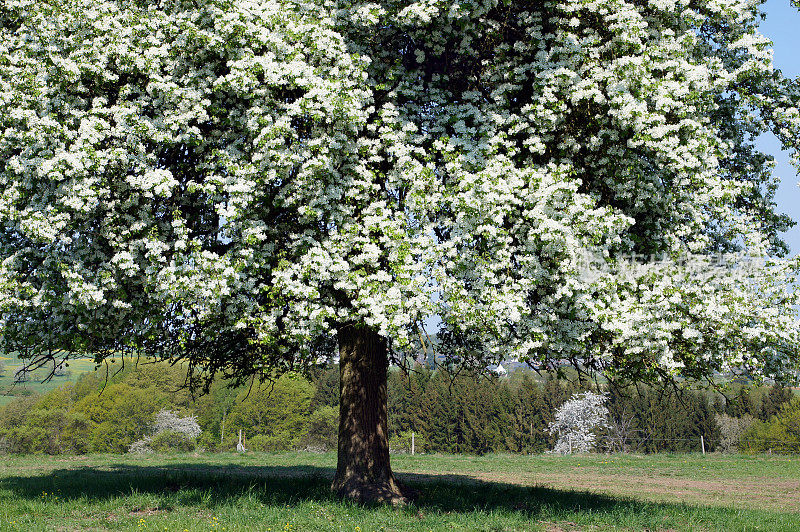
11	365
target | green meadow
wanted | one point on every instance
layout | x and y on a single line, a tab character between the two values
289	492
9	390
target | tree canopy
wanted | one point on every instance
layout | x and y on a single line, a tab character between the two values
227	182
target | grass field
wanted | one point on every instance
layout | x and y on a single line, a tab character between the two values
11	364
289	492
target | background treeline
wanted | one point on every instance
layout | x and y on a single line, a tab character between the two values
445	412
465	414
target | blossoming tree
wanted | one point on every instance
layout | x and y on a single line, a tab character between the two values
233	183
576	421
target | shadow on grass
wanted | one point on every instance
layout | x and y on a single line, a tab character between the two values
178	485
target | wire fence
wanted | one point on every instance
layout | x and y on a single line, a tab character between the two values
701	443
640	444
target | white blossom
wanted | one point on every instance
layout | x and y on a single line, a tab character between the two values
248	176
576	423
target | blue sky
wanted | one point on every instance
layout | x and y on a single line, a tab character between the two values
783	27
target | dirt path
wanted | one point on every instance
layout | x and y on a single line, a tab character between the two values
752	492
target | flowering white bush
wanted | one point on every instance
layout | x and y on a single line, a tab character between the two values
230	181
576	422
141	446
172	428
731	430
169	421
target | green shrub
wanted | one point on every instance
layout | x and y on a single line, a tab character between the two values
278	412
40	432
35	424
15	412
172	441
401	443
96	414
119	416
326	388
779	434
282	441
74	434
211	442
323	429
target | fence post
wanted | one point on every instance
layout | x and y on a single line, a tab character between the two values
412	443
702	444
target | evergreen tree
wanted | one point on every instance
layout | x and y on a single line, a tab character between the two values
772	402
741	402
529	410
326	388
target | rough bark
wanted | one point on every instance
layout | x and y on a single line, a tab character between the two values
363	472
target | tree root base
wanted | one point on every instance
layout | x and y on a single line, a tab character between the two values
387	491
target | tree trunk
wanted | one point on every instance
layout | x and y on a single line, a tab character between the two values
363	472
